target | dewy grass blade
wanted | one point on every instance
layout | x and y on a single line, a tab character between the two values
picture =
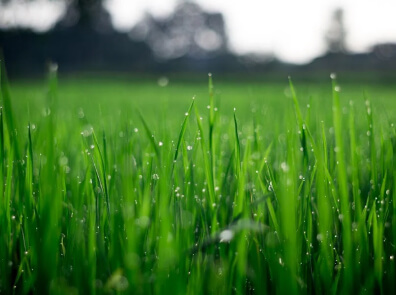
49	201
240	195
183	130
150	136
342	180
2	154
354	163
211	113
237	146
325	218
373	151
101	175
29	199
301	124
207	161
296	105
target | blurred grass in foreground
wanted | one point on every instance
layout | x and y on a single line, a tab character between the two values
128	187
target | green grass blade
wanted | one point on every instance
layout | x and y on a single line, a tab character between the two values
342	180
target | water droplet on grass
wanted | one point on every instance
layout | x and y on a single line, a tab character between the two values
270	187
163	81
53	67
143	221
80	113
63	161
87	131
284	167
46	112
226	236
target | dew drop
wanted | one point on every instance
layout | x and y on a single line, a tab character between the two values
226	235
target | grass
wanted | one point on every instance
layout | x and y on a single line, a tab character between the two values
123	187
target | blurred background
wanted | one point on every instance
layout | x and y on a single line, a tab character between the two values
275	38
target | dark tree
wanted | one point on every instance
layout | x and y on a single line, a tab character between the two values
86	13
188	31
336	34
76	43
83	14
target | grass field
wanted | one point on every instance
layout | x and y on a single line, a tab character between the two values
120	186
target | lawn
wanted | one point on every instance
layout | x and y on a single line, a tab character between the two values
120	185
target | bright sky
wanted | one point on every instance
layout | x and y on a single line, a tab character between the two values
292	30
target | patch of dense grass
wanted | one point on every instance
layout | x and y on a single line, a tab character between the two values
156	193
